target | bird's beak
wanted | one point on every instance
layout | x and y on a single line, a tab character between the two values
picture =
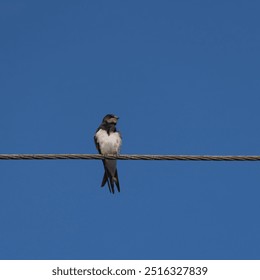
115	119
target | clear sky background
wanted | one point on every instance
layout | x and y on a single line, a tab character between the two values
183	76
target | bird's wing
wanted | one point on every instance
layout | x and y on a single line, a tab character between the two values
97	144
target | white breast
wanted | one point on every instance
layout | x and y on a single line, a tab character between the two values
109	144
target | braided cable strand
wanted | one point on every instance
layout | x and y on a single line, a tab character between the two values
129	157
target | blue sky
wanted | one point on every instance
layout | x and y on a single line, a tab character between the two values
183	76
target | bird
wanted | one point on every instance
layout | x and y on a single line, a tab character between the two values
108	141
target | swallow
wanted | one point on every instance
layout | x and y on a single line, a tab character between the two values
108	141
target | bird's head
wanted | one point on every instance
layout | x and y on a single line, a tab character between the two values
110	119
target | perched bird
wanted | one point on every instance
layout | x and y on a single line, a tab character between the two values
108	141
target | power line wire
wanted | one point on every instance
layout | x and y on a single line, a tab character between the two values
129	157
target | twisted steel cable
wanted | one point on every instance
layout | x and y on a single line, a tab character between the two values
129	157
